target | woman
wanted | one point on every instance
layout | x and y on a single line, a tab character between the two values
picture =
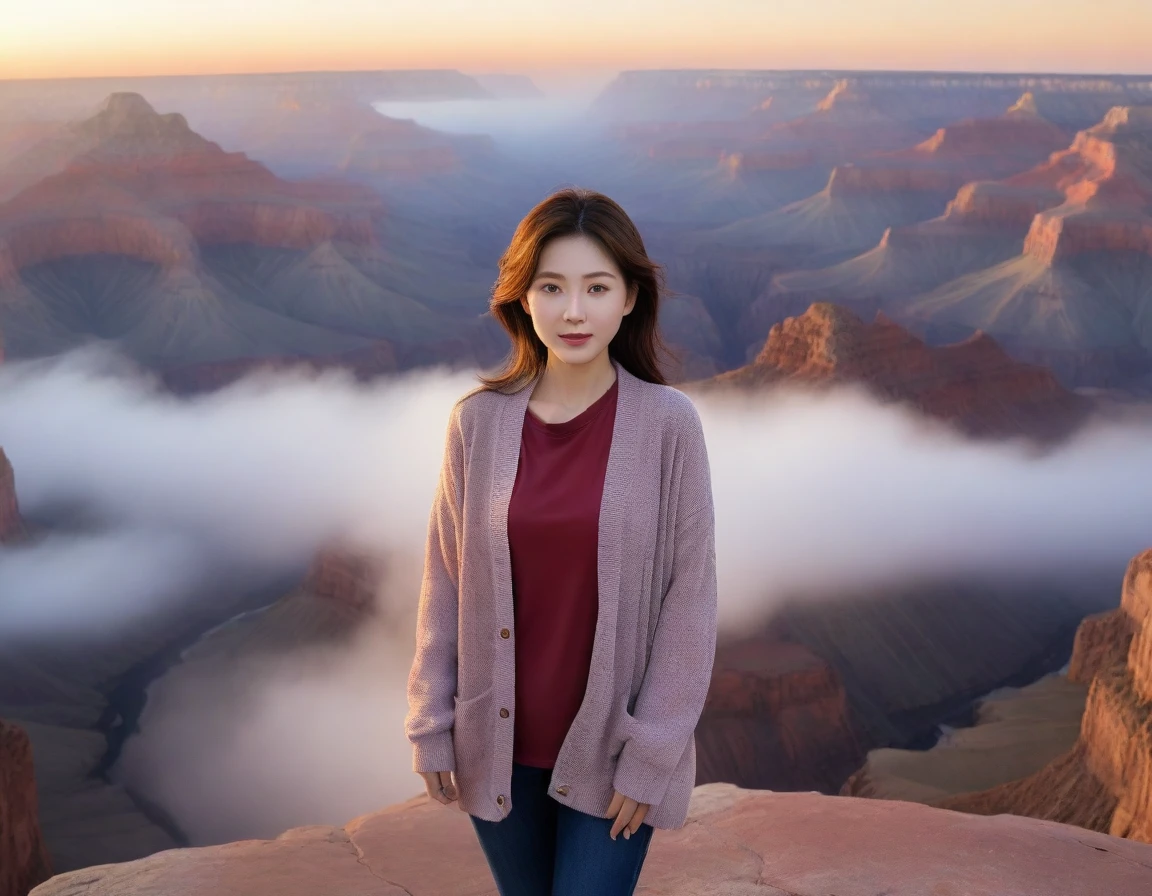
567	620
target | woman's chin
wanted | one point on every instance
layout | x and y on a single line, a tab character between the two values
576	355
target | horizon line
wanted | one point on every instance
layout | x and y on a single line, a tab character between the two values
559	71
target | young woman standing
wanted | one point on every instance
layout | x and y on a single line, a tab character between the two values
567	620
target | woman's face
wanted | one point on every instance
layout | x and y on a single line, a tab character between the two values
577	299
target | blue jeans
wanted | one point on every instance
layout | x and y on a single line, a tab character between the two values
544	848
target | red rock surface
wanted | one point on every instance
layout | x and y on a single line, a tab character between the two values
735	842
1106	181
973	383
24	859
1000	204
970	150
142	184
1105	782
776	717
10	525
1011	135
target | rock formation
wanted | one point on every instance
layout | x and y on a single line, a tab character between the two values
776	717
877	192
732	844
10	524
24	859
1085	260
973	384
201	256
1104	782
134	182
1072	233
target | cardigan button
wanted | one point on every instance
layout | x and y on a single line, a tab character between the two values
504	633
562	790
503	713
500	800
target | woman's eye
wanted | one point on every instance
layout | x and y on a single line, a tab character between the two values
548	286
600	287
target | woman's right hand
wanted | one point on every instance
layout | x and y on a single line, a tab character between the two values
439	786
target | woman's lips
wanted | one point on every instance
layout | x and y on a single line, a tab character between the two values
577	340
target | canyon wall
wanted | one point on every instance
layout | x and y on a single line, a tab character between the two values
1105	782
10	524
24	859
974	383
776	717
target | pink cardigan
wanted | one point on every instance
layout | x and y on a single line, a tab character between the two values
655	630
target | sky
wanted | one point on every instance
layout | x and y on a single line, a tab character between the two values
77	38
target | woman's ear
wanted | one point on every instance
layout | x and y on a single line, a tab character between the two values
524	305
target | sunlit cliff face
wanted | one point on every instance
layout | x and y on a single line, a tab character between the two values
577	299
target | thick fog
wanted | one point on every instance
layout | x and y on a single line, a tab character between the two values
812	494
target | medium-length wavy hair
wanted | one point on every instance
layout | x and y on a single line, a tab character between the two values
637	345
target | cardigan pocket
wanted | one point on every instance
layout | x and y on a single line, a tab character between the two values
472	739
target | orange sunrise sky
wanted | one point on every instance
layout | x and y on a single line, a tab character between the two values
70	38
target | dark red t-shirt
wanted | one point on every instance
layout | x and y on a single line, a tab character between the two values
553	530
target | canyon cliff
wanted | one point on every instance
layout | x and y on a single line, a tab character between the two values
1104	782
972	384
1071	233
776	717
205	257
731	845
24	861
138	183
1086	259
10	524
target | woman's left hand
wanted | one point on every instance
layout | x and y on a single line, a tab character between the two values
628	813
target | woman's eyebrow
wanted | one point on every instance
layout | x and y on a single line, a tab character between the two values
556	276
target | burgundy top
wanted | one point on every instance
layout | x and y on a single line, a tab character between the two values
553	528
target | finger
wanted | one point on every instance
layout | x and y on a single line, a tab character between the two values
623	817
435	792
617	802
446	783
637	819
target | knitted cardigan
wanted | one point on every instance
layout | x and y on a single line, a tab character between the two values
655	635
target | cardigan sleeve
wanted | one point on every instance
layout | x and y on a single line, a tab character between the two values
432	679
671	697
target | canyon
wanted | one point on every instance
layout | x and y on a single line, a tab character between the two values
1054	262
207	257
1073	748
974	248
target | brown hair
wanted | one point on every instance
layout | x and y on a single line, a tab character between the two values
637	345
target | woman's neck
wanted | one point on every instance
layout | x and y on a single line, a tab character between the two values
567	389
